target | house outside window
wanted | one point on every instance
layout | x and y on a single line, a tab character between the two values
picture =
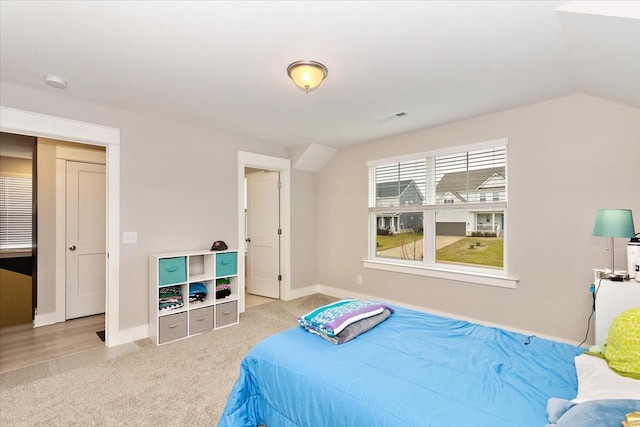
442	209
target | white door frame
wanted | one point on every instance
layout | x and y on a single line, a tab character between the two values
41	125
261	161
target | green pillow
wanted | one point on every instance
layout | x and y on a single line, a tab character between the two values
623	342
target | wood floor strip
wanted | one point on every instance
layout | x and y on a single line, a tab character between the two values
45	349
23	345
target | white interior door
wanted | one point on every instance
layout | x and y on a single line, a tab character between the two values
263	221
85	239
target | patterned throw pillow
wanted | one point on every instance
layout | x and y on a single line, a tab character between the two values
623	342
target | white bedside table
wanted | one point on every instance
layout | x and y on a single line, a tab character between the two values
612	299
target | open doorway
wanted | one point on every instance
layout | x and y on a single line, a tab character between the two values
262	231
41	125
69	191
71	179
271	270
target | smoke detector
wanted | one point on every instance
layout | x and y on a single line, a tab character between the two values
55	81
393	116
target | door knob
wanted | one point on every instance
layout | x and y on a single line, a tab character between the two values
72	247
248	239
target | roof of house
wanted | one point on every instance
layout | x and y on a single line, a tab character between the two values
395	188
455	182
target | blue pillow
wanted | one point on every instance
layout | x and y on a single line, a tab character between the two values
593	413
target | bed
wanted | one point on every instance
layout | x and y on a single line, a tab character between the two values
414	369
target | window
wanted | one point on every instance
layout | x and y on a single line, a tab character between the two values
15	212
442	210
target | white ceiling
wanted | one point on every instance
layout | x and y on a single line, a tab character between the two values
223	64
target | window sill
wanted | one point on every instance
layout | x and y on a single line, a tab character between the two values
15	253
442	273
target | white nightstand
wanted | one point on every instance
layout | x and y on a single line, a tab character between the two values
612	299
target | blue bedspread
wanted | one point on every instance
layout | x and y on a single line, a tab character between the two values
414	369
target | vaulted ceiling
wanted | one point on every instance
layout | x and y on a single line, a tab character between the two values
223	64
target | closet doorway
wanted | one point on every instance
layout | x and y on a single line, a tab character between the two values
272	268
263	230
80	229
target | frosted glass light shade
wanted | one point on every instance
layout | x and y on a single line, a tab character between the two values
307	75
614	223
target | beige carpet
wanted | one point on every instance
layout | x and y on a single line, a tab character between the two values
178	384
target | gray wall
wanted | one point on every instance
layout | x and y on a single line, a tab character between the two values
567	158
304	231
46	228
177	186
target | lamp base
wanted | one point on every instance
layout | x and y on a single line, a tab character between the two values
617	277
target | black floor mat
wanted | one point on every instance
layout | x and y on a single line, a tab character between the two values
100	335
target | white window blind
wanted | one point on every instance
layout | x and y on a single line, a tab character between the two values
399	184
15	212
452	179
469	175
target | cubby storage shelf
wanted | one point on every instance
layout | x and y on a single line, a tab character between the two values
185	269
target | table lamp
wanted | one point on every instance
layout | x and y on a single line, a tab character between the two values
614	223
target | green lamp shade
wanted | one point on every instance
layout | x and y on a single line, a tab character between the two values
614	223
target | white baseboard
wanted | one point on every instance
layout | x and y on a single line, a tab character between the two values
342	293
142	332
44	319
299	293
129	335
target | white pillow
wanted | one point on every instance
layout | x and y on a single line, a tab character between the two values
597	381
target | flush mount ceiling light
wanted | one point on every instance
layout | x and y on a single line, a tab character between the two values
55	81
307	75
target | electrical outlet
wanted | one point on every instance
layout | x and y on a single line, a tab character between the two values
359	279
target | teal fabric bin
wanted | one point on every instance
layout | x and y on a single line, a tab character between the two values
226	264
172	270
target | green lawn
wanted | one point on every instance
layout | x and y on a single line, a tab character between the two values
490	252
388	242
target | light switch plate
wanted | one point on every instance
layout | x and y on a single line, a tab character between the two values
129	237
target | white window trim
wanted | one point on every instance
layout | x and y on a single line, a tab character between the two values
442	273
441	152
476	275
